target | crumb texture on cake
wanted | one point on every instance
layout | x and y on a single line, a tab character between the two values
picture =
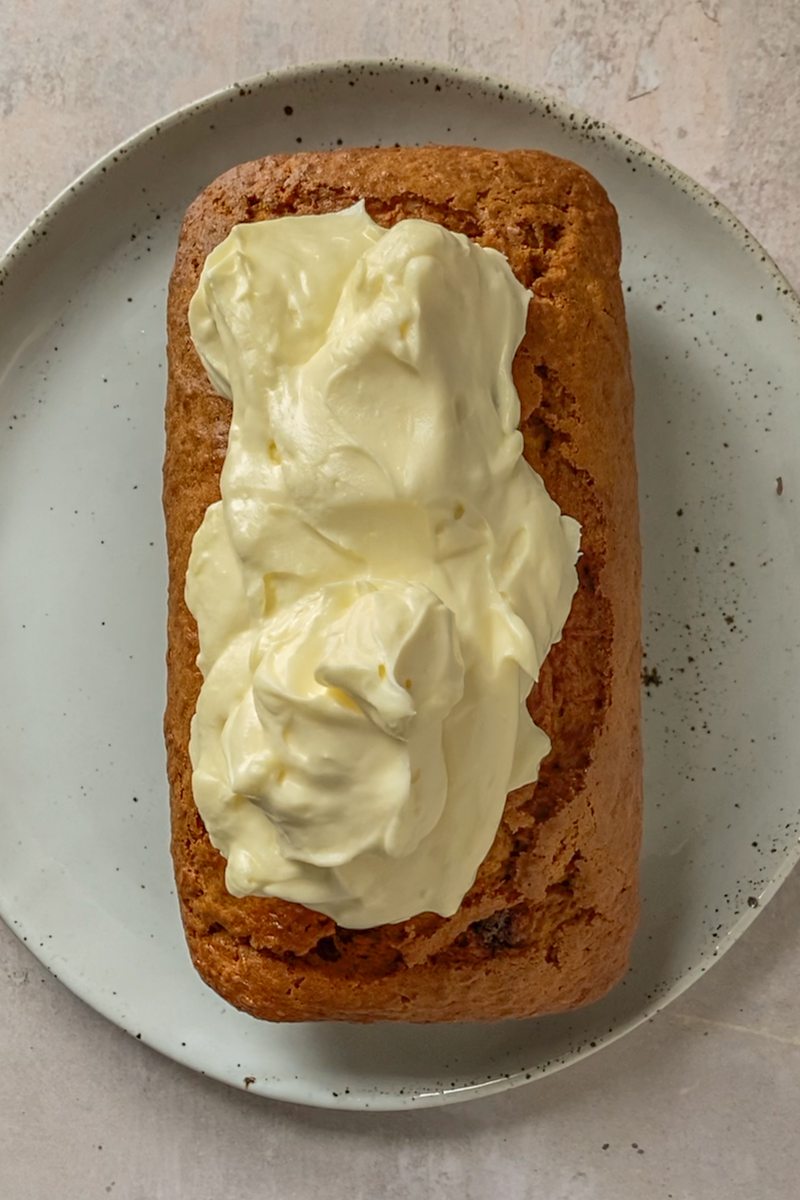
548	922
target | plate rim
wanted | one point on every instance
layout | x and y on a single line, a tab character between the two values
554	106
572	117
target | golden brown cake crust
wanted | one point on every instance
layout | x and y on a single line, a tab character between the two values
548	923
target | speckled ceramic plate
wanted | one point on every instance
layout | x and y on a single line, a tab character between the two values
85	876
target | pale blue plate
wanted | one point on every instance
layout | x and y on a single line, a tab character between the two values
85	876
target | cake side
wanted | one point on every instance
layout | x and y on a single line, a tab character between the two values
548	922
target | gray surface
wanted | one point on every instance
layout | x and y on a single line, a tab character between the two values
710	1091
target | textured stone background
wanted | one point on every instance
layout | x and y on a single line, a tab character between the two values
703	1102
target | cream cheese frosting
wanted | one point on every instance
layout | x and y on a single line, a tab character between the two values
384	575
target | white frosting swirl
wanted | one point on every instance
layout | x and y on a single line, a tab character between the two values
384	575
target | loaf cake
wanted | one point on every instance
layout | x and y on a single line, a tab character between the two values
548	922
